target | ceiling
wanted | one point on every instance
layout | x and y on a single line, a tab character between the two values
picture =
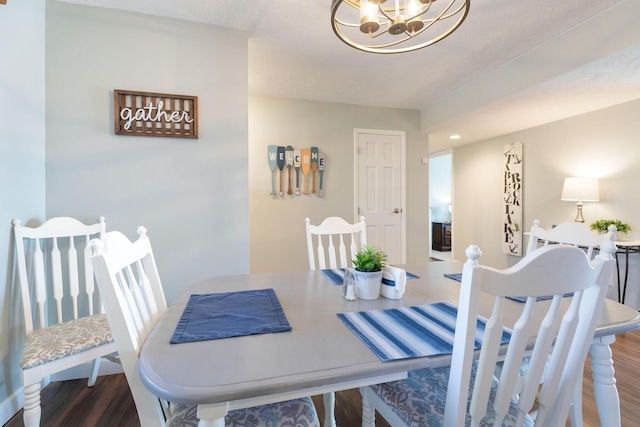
513	64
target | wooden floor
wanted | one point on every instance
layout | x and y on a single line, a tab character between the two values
109	402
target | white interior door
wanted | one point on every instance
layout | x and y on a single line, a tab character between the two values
380	189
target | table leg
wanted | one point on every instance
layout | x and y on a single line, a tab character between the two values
618	275
626	274
604	382
212	415
218	422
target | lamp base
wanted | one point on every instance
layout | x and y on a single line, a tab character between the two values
579	217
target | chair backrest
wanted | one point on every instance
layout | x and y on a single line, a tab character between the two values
562	338
55	272
569	233
134	300
342	241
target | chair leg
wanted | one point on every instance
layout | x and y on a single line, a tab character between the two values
368	412
32	410
94	372
575	409
329	401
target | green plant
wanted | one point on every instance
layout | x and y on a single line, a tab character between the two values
369	259
603	224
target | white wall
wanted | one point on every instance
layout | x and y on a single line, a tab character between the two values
191	194
601	144
22	151
278	240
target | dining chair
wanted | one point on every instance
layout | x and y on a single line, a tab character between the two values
349	238
342	241
134	300
575	234
554	333
570	233
63	321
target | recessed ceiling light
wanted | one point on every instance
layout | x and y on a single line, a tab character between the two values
454	137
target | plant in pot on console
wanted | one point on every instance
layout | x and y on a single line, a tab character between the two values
602	225
368	263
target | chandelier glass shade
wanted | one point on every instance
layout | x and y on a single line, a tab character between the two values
396	26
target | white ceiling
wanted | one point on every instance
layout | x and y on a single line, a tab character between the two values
513	64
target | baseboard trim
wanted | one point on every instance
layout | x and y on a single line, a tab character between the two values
11	405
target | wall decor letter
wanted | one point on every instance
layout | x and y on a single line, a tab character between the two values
512	200
155	114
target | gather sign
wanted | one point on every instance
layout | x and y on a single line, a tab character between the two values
155	114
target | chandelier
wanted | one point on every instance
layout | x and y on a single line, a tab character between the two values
396	26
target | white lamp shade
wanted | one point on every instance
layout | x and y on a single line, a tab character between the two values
581	189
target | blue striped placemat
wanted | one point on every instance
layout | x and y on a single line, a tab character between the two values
335	275
407	332
458	278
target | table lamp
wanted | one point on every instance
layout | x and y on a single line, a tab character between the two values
580	190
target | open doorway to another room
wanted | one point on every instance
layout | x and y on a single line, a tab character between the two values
440	208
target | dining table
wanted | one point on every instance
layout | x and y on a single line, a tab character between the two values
319	354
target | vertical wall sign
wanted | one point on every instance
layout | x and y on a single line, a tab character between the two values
155	114
512	201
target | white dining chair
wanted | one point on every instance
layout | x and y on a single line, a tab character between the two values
336	240
439	396
569	233
134	300
575	234
63	321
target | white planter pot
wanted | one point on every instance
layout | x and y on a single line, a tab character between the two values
368	284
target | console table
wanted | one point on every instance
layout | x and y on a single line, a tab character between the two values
625	247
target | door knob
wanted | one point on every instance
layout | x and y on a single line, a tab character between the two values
396	210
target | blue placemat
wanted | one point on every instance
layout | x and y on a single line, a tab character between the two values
458	277
335	275
230	314
411	275
407	332
455	276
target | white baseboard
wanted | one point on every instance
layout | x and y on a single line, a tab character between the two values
11	405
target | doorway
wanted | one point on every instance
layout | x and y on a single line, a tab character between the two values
440	206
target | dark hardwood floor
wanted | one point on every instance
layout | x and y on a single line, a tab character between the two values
109	402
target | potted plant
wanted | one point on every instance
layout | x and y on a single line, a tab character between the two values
368	263
602	225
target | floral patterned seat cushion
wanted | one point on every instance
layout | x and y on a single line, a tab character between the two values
291	413
64	339
419	400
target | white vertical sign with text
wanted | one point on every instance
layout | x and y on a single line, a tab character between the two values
512	200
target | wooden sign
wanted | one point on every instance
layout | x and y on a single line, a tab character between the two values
286	159
296	165
305	153
314	167
155	114
512	201
272	153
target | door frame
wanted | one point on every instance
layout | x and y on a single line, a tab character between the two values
403	180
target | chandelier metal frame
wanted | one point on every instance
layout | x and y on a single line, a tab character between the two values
400	30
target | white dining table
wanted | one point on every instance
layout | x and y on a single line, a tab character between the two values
320	354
